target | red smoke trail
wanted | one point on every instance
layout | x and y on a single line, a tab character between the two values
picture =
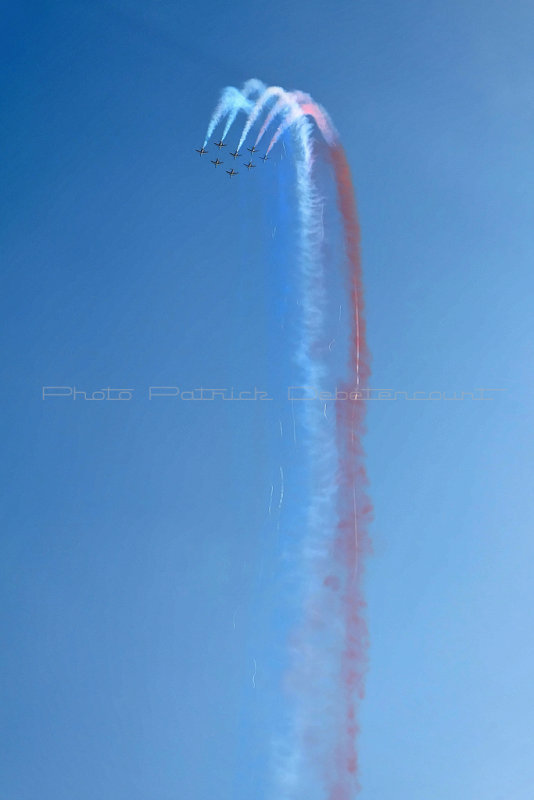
335	567
352	542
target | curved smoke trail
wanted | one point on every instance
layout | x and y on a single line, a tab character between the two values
231	102
272	91
279	107
317	759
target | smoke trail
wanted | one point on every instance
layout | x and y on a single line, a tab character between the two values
279	106
351	541
322	119
302	761
231	102
354	509
308	107
317	758
272	91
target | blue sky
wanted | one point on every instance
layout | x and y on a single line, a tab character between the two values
133	534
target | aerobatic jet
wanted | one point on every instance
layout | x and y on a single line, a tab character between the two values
219	144
264	158
232	172
252	149
217	162
235	155
250	165
202	151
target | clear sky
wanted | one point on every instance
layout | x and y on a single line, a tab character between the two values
133	533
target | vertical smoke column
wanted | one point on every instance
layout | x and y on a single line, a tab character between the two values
352	541
317	759
304	756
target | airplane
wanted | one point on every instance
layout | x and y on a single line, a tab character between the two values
232	172
265	158
235	155
202	151
250	165
217	162
252	149
219	144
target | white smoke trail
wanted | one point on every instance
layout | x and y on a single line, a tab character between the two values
272	91
231	102
252	86
279	107
302	759
305	758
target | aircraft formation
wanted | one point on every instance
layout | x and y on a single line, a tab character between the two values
231	172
